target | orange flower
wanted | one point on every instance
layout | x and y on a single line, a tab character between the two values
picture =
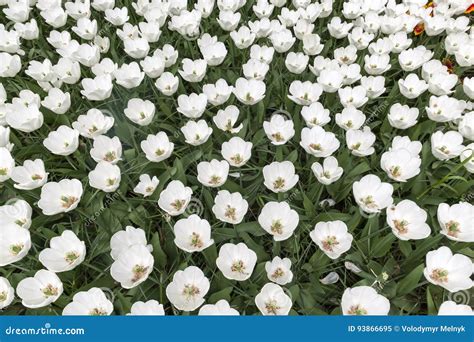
470	9
419	29
449	64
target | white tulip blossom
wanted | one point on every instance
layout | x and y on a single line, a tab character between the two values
147	185
149	308
329	172
105	177
364	300
221	308
30	175
124	239
214	173
175	198
187	289
66	252
229	207
18	212
60	197
234	157
89	303
133	266
279	270
279	220
450	308
7	293
236	261
14	245
157	147
332	238
456	221
280	176
42	289
273	301
450	271
236	151
371	194
192	234
408	221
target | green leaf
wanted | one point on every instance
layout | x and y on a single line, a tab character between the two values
250	227
382	247
222	294
158	253
410	282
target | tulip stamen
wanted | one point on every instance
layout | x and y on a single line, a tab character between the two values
237	159
278	273
395	171
278	137
98	312
139	271
50	290
196	240
453	228
401	226
279	183
329	243
20	222
178	204
230	212
16	249
443	149
215	180
68	201
357	310
277	227
356	146
238	266
272	307
439	275
190	291
326	174
110	156
228	126
369	202
36	177
71	257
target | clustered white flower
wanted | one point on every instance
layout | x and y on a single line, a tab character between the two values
56	103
